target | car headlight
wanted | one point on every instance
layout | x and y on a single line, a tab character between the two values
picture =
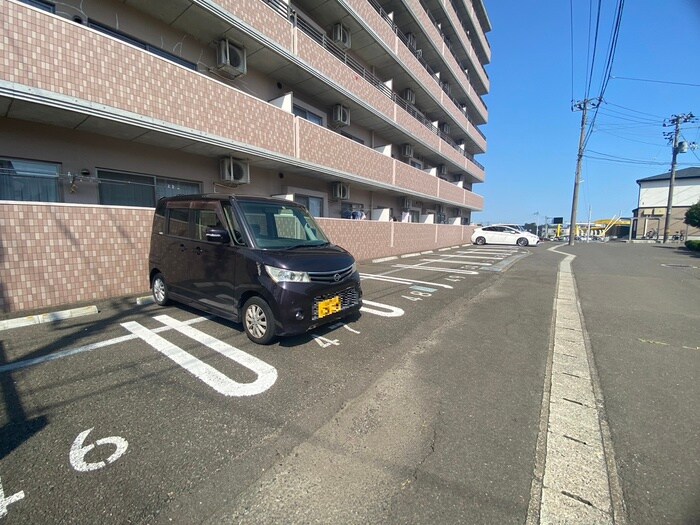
280	275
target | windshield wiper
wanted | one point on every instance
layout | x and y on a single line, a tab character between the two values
304	245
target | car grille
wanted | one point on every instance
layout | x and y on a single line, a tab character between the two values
348	298
331	277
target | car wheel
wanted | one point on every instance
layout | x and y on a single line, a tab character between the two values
258	321
480	241
160	290
522	242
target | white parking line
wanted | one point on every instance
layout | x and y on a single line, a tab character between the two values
87	348
448	261
267	374
381	309
400	280
486	257
435	269
498	253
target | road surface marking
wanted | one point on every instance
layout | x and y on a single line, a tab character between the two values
267	374
450	261
401	280
6	502
78	451
87	348
435	269
383	310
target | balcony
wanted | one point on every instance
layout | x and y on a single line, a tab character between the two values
125	96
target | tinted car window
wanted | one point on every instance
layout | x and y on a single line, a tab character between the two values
178	222
204	219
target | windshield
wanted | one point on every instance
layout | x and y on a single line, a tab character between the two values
281	226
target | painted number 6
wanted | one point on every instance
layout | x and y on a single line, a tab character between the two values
78	451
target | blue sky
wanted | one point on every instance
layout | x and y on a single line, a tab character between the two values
533	134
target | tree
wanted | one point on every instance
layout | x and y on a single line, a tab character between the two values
692	216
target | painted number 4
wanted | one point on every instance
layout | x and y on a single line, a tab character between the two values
78	451
5	502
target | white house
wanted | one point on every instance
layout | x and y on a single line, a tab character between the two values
650	214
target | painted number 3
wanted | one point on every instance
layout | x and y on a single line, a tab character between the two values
78	451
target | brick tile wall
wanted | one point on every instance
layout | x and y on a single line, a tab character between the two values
53	255
53	54
327	148
57	254
416	180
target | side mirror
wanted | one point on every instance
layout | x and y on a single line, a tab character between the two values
220	235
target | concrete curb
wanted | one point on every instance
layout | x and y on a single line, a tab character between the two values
48	317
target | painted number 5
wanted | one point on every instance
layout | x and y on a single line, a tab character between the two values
78	451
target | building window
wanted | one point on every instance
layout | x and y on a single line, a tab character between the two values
352	137
41	4
28	180
307	115
313	204
128	189
143	45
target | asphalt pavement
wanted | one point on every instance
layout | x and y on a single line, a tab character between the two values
432	407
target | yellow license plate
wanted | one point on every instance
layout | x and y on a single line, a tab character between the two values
329	306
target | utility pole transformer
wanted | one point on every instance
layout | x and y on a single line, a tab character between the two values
676	120
582	106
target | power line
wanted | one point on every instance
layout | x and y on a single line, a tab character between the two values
628	118
595	48
571	27
629	139
656	81
636	162
634	110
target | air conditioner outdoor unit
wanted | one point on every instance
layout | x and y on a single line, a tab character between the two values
341	36
411	40
409	96
406	150
445	128
341	191
406	203
341	115
230	59
234	171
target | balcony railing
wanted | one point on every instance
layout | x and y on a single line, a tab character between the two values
322	39
417	53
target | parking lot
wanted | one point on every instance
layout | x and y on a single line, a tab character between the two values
428	408
124	415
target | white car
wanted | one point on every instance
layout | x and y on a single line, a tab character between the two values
499	234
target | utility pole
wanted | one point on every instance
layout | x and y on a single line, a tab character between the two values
676	120
583	107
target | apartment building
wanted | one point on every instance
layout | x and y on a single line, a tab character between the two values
364	106
649	217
